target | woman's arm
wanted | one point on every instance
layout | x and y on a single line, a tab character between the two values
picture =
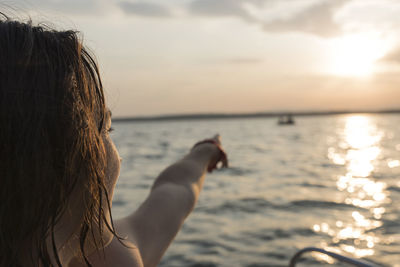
173	196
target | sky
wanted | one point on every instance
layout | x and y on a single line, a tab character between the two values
161	57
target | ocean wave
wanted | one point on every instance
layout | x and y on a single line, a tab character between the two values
119	202
206	244
261	210
237	171
389	227
257	205
313	185
321	204
393	188
154	156
206	264
270	234
248	205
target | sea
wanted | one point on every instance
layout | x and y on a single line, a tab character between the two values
330	181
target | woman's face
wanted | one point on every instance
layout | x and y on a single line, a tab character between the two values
70	224
112	158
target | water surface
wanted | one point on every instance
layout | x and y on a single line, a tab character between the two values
329	181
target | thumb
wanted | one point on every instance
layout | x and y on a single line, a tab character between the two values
217	138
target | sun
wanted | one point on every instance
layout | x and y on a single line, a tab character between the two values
355	55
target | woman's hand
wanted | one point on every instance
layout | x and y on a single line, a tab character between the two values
211	149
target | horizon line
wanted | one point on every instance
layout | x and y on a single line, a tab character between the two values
202	116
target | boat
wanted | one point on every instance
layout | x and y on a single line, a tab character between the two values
286	120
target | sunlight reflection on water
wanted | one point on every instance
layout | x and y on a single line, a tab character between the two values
359	149
330	182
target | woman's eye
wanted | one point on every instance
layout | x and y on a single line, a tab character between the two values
110	129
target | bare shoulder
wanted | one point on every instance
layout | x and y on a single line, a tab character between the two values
116	253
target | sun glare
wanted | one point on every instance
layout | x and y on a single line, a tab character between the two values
358	149
355	55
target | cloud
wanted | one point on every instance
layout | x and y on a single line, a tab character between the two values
392	57
95	7
74	7
220	8
145	9
317	19
275	16
233	8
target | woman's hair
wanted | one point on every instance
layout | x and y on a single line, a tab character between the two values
52	114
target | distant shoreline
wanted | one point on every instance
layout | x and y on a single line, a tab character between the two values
216	116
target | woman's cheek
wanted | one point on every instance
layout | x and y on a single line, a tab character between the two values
113	165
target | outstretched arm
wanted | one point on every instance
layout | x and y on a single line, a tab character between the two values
173	196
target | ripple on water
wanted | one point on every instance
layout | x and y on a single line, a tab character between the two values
393	188
119	202
390	227
206	264
322	205
246	205
257	205
281	184
270	234
313	185
238	171
205	244
154	156
183	260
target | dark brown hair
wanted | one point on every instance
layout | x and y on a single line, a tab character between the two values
52	113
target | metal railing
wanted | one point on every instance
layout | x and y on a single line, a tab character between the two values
355	262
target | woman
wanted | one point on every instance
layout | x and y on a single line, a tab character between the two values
59	167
